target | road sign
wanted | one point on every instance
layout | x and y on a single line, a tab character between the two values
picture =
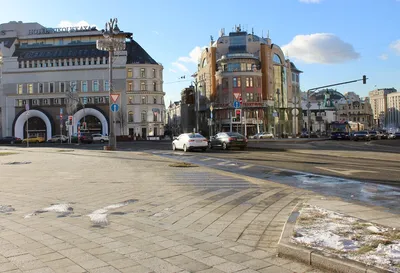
114	98
236	95
114	107
236	104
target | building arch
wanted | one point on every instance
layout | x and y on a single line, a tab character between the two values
90	112
20	122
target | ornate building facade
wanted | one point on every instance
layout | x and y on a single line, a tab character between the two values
244	67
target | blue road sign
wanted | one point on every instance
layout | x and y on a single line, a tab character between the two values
114	107
211	115
236	104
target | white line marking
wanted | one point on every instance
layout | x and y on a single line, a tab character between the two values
206	159
246	166
345	171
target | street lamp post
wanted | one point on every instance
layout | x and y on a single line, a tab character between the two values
111	44
319	119
197	105
308	118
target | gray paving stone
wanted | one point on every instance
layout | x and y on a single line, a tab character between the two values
256	264
274	269
159	265
230	267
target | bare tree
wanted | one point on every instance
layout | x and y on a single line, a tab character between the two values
121	119
72	100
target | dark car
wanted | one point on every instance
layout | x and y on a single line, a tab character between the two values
374	135
361	135
10	140
305	135
86	138
340	135
228	140
384	134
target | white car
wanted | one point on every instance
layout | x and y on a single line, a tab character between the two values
100	137
190	141
266	135
58	138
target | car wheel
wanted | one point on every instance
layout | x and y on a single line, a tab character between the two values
224	146
173	147
210	145
185	149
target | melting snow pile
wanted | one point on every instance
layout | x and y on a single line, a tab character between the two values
99	217
348	237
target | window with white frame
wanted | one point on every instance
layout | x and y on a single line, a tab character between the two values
130	86
155	114
72	86
56	101
155	100
40	88
154	86
30	88
130	116
106	85
154	73
143	85
18	103
34	102
101	100
144	116
62	87
84	87
142	72
45	101
20	88
130	73
144	100
51	87
95	86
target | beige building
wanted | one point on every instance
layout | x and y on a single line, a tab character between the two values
51	71
393	116
242	66
378	100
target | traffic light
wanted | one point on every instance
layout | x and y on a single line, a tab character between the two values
364	79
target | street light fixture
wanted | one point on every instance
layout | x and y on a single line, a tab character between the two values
111	43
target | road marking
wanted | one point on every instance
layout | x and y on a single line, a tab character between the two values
224	163
206	159
345	171
246	166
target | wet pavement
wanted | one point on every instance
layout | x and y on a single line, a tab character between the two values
348	189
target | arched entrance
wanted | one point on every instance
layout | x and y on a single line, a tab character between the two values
91	113
93	124
39	124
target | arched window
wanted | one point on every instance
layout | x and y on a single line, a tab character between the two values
144	116
130	116
277	59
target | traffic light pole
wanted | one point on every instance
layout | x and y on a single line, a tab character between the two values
364	80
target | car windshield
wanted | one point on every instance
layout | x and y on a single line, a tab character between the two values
195	136
232	134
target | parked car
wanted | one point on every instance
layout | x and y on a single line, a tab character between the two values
34	140
340	135
383	134
266	135
374	135
305	135
361	135
391	136
86	138
228	140
189	142
100	137
10	140
58	138
256	136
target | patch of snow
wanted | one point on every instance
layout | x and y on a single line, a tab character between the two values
336	233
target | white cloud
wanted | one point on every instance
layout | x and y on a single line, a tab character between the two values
156	32
322	48
181	67
310	1
194	56
65	23
396	46
383	57
172	70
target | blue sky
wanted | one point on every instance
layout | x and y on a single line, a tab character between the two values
330	40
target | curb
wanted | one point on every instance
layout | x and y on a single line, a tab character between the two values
316	258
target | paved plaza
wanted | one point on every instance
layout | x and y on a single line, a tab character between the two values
96	211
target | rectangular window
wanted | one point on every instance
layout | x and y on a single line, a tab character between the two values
143	86
20	88
154	73
106	86
154	86
51	87
130	100
62	87
143	100
19	103
130	73
95	86
154	116
84	86
143	116
225	83
155	100
248	67
297	78
34	102
130	86
142	73
236	82
56	101
72	86
249	81
45	101
30	88
40	87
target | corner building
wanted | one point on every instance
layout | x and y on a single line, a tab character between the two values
54	70
253	68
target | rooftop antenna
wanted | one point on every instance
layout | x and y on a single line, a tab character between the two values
262	34
268	34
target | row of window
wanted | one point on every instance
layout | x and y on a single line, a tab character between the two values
61	101
142	73
63	62
143	86
248	97
61	87
145	100
239	67
143	116
237	82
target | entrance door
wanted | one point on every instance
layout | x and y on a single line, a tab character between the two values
131	131
155	131
144	133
